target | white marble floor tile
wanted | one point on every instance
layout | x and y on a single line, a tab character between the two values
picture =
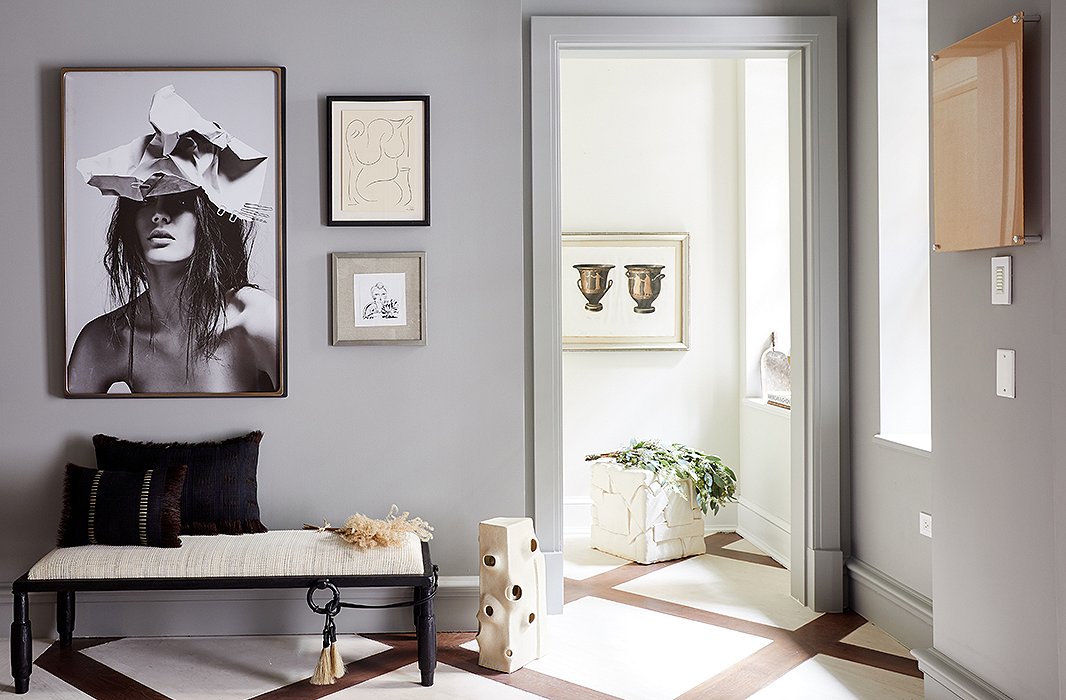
829	678
223	668
581	561
741	589
636	654
448	682
745	546
43	685
873	637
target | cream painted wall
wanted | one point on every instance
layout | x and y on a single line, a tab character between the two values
651	145
764	511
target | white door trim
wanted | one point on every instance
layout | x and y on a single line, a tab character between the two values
817	272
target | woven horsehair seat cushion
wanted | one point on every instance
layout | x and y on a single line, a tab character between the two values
278	553
221	493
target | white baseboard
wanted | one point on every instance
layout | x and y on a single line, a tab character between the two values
765	530
947	680
896	608
245	612
577	517
553	572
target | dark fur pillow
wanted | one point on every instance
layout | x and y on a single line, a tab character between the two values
221	493
125	508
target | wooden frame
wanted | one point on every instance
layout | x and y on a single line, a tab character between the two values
378	160
378	298
621	322
223	160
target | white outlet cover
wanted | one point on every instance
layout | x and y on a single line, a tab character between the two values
925	524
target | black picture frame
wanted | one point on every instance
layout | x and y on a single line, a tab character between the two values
238	148
377	160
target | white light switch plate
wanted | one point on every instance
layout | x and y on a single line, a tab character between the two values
1001	279
1005	373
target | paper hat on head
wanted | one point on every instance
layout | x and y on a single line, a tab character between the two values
186	152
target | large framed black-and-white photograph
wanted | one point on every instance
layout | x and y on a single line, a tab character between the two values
378	162
378	298
173	235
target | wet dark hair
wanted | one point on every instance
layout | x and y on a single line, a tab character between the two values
218	266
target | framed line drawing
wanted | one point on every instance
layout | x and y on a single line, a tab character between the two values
378	298
378	161
173	231
625	291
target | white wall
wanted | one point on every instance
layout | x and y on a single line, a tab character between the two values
764	511
765	229
651	145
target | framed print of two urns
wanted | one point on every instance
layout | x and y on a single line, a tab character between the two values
174	231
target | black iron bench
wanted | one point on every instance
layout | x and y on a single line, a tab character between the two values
67	571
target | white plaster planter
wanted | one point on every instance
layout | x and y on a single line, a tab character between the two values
635	518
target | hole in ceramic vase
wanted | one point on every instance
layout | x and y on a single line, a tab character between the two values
490	560
533	545
531	618
516	592
488	610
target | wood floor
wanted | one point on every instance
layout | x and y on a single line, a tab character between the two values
717	626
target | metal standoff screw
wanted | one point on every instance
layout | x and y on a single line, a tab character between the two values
933	58
936	247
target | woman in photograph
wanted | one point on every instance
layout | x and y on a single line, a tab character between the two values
188	319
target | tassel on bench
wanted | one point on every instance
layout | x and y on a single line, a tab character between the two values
330	665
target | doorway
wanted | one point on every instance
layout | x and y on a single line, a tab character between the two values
808	46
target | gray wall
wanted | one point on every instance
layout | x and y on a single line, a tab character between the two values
890	486
438	430
1058	338
993	463
447	436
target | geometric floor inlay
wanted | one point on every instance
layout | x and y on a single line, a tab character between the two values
630	652
223	668
873	637
827	678
719	626
730	587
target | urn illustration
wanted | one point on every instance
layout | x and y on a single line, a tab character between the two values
645	283
593	283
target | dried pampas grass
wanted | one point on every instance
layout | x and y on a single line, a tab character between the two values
366	533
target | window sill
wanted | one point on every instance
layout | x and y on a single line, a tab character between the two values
921	445
761	405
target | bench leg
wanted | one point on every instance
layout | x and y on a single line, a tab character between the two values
65	618
21	643
426	634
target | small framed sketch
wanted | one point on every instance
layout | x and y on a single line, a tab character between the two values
379	298
648	311
378	161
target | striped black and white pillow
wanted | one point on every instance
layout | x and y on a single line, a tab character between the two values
122	508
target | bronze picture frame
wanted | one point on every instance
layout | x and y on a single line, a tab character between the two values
153	309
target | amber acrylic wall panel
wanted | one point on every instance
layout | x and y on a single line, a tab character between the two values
977	140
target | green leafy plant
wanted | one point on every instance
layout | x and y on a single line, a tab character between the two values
713	482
